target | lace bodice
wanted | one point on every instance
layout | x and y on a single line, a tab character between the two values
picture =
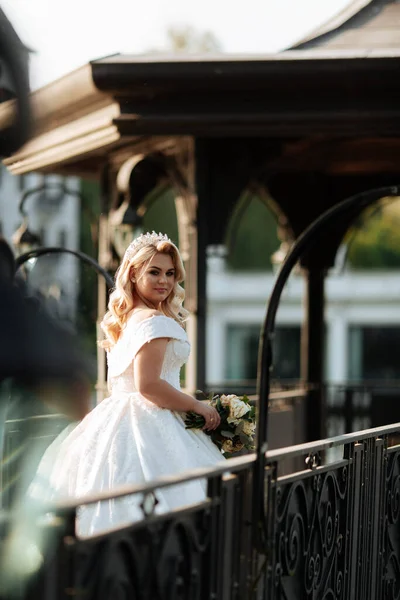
135	335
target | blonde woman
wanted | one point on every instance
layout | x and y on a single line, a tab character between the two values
138	433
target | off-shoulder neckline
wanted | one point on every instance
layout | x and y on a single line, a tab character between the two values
148	319
138	324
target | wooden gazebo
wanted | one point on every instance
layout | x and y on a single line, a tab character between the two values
313	126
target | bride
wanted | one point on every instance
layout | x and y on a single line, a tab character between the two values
138	433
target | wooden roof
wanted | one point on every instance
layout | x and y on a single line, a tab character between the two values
118	105
363	24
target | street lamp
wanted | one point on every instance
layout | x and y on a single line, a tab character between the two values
23	238
28	243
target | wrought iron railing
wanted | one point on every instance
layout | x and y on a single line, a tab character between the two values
352	406
329	530
349	406
333	531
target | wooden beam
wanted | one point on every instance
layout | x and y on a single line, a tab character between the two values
339	156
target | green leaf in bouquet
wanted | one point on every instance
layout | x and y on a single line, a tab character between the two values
192	415
244	438
194	421
224	412
239	428
245	399
228	434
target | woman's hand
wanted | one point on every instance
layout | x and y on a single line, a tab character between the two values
210	415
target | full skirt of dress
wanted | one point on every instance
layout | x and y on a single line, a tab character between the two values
125	440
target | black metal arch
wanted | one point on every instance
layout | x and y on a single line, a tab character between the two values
265	359
36	252
44	187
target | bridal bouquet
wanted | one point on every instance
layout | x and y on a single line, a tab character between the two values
238	423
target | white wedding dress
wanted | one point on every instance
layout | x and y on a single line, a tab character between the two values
127	439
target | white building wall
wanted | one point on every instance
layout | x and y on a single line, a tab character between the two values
352	298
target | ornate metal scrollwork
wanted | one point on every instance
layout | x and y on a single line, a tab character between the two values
309	534
332	534
162	559
391	548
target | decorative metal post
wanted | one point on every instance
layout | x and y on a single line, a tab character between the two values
312	351
354	205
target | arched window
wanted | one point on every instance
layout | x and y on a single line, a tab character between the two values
252	235
161	214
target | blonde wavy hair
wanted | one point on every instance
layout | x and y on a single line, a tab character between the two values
123	298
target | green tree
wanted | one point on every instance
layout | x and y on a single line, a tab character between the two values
374	243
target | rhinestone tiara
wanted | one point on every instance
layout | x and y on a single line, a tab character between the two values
145	239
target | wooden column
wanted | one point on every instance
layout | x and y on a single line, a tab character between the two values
186	210
102	296
203	192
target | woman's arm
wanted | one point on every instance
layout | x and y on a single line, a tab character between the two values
147	374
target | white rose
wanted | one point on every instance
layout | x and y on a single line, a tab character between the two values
227	446
238	408
226	399
249	428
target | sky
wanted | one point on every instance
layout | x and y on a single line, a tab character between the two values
66	34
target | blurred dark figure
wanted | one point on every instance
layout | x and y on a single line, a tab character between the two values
7	262
14	84
36	351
